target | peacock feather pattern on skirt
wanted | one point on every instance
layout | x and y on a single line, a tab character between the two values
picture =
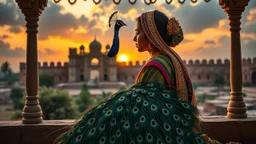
145	113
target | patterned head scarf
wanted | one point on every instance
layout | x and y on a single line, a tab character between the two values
183	82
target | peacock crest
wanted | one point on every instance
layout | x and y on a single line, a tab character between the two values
113	18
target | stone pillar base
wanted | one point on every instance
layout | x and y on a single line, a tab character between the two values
32	112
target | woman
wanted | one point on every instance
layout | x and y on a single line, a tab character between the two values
159	108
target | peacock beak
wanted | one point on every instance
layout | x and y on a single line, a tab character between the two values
124	24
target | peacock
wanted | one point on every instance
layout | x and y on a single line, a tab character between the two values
145	113
118	24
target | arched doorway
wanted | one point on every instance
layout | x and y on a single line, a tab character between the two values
94	71
94	74
254	78
94	62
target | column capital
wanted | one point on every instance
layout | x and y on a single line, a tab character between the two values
32	5
233	5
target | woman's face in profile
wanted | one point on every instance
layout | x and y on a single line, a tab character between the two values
140	39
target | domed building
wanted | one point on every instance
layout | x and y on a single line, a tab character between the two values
95	47
88	66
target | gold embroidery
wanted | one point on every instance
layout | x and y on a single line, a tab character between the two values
173	26
179	67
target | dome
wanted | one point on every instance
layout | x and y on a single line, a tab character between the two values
95	45
107	46
82	47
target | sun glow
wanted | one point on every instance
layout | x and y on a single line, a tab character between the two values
122	58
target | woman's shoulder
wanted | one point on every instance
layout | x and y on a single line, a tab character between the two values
162	60
160	57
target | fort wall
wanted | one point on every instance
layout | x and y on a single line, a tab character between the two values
58	70
200	71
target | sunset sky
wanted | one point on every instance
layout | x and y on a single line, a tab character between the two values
63	26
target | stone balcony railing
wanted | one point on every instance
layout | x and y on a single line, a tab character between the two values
217	127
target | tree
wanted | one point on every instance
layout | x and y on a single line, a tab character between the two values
56	104
18	98
104	95
46	80
122	88
96	82
219	81
84	99
85	87
6	69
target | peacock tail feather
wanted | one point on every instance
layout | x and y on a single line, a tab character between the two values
145	113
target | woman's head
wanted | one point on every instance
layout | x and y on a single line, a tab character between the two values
162	33
142	42
168	29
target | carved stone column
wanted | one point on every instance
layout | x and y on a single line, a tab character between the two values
32	112
234	8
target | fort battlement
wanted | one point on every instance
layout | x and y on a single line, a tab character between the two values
52	64
201	71
204	62
47	65
131	64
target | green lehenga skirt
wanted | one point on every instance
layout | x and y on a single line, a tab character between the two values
145	113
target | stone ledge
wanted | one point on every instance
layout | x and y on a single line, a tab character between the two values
224	119
217	127
225	130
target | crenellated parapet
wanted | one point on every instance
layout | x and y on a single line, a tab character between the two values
197	62
46	65
204	62
53	65
131	64
248	61
211	62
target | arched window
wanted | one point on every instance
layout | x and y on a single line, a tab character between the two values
94	62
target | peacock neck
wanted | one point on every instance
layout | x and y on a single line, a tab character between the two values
116	30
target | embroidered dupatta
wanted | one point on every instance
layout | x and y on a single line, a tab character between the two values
182	79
